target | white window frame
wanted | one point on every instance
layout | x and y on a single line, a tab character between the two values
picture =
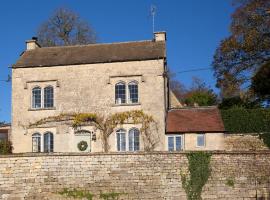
37	135
174	141
42	97
127	93
204	140
127	140
133	146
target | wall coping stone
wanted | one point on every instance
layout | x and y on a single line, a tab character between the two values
259	152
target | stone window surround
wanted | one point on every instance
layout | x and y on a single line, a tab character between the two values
126	79
42	133
174	136
127	139
42	84
204	138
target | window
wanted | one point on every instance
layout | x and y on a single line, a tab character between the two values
36	138
48	97
48	142
134	139
175	143
121	140
36	97
201	140
120	93
133	92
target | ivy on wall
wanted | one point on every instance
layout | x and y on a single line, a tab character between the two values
241	120
199	172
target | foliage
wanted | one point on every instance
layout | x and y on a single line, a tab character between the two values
230	182
199	172
5	147
238	56
241	120
64	28
198	93
237	101
82	145
266	138
78	194
107	125
261	82
110	196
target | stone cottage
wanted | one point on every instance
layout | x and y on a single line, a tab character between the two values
95	78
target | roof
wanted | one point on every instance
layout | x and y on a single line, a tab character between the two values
92	53
200	119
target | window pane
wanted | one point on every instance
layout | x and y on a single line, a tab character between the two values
48	142
178	143
134	140
36	97
120	93
200	140
171	143
36	142
121	140
133	92
48	97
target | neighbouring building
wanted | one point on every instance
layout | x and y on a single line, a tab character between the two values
4	132
98	78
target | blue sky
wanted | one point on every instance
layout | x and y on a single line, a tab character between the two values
194	29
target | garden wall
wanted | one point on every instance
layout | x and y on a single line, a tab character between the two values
235	175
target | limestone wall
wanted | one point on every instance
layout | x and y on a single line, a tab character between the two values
235	175
84	88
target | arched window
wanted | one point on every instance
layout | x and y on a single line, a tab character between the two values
120	93
121	140
36	138
36	97
48	142
48	97
134	139
133	92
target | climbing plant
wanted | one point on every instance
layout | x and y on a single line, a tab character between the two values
107	124
199	172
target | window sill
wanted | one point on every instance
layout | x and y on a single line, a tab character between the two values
39	109
126	104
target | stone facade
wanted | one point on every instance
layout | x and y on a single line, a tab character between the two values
235	175
84	88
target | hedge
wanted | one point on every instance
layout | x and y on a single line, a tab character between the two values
5	147
241	120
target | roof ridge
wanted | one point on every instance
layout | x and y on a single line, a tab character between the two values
98	44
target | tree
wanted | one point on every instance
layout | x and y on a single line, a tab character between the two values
238	56
200	94
64	28
261	82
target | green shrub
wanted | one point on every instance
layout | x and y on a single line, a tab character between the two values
5	147
241	120
199	172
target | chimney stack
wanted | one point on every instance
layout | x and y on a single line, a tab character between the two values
160	36
32	44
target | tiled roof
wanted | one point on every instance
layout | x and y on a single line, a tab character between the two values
92	53
200	119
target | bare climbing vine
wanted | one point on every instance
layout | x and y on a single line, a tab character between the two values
108	124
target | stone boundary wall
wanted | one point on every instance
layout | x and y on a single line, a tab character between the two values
134	175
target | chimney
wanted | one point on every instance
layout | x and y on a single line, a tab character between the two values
160	36
32	44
